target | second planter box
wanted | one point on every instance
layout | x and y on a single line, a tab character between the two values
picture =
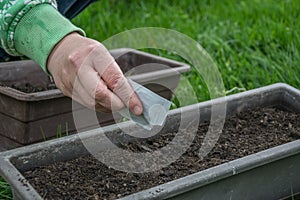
31	117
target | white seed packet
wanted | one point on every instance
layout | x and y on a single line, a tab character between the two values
155	108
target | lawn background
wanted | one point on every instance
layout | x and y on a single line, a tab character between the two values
253	42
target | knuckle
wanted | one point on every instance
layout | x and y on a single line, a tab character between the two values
100	93
115	81
77	56
92	46
75	59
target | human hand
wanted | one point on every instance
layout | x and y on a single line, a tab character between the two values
100	84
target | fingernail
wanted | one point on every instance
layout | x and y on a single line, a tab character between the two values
137	110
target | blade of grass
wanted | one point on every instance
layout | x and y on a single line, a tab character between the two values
43	133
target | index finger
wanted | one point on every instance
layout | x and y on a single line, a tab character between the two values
112	75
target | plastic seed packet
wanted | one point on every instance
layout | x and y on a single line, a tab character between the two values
155	108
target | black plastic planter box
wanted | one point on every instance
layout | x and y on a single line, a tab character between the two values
25	117
269	174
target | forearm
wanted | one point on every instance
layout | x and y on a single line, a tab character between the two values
32	28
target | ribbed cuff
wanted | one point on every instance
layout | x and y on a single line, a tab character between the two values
40	30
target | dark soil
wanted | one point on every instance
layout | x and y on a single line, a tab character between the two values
244	134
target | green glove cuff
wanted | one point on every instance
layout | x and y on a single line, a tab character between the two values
39	30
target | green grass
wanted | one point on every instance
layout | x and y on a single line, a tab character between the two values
5	191
59	131
253	42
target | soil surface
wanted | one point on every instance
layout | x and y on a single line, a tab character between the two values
243	134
